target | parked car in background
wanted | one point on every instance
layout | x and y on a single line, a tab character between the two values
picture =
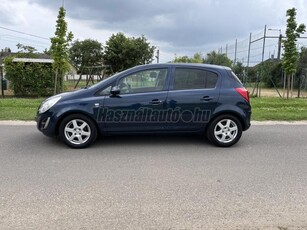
156	98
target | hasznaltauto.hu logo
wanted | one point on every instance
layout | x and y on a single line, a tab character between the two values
149	115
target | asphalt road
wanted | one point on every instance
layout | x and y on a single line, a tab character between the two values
154	182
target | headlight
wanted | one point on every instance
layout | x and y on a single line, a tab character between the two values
48	104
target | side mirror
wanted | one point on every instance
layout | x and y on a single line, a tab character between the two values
115	91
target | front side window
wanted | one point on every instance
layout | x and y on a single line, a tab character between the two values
143	81
106	90
194	79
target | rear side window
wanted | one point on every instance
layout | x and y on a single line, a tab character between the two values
194	79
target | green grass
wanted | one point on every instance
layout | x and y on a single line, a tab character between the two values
265	108
19	108
269	108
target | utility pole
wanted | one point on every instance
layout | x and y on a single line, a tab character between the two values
279	46
236	46
262	59
1	79
158	55
263	48
249	49
226	49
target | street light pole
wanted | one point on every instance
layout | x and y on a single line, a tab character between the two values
279	42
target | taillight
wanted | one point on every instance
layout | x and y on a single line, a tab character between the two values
244	93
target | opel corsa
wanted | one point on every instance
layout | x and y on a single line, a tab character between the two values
157	98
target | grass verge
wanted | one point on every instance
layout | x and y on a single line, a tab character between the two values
277	109
19	108
265	108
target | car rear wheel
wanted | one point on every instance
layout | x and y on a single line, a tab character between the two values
224	131
77	131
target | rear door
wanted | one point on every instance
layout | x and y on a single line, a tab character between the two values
192	97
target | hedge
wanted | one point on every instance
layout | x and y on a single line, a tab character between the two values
29	79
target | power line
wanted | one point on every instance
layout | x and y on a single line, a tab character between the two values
24	43
20	32
17	38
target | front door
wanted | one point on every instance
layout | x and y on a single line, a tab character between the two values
137	107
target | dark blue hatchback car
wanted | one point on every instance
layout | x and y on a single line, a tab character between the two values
156	98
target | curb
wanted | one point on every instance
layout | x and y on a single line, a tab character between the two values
256	123
21	123
304	122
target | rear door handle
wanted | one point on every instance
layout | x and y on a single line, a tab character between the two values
156	102
206	98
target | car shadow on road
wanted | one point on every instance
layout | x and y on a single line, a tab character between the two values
151	140
148	140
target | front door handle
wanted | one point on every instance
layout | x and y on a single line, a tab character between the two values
206	98
156	102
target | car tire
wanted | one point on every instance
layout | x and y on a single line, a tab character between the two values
77	131
224	131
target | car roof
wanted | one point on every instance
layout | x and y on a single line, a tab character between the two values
184	65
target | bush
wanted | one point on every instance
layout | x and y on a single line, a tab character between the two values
29	79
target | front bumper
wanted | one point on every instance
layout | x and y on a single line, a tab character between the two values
45	123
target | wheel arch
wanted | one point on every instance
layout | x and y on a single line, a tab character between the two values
230	112
75	112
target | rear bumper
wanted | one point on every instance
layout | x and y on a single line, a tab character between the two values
247	121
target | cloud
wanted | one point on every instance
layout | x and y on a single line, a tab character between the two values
177	22
18	15
179	26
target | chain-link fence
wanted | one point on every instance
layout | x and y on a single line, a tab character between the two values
260	54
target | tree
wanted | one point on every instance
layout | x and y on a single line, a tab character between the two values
29	50
291	56
276	73
217	59
60	50
197	58
86	53
270	73
122	52
238	68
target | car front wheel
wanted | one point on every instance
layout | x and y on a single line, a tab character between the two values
224	131
77	131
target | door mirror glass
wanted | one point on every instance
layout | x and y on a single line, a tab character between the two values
115	91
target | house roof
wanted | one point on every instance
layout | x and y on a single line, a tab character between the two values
7	54
33	60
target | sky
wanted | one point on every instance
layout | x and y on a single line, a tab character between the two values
176	27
